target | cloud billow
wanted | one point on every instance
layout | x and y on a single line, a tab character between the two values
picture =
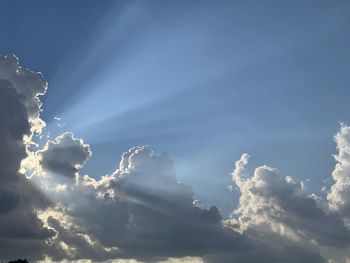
21	232
64	156
141	210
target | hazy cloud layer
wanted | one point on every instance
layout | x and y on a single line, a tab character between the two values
141	211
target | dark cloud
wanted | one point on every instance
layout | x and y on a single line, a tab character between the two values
29	85
14	125
142	211
8	201
64	156
20	229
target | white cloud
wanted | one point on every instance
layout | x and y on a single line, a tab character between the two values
339	195
280	205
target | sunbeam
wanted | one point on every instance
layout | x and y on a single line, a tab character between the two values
118	142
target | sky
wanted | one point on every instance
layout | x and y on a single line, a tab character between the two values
196	87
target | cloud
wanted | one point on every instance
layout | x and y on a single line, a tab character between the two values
28	85
141	211
64	156
339	195
21	232
278	205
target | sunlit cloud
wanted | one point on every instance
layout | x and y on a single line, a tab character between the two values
202	81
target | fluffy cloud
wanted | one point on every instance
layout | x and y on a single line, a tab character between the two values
28	86
20	229
141	211
280	205
339	196
64	156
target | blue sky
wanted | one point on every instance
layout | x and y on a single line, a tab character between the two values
204	81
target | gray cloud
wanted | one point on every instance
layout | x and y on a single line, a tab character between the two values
64	156
142	211
29	85
20	229
280	205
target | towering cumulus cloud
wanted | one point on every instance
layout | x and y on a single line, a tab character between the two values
141	211
339	196
21	232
